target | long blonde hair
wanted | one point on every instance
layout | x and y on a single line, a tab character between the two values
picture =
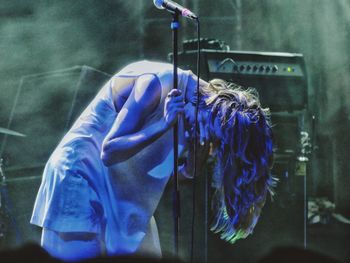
243	157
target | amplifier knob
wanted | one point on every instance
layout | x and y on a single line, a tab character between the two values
261	68
249	67
275	68
242	67
268	68
255	67
235	68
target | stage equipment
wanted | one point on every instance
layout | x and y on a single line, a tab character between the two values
4	217
45	107
205	43
10	132
280	78
174	8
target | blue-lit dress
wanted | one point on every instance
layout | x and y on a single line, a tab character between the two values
79	194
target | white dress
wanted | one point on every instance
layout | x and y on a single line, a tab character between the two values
79	194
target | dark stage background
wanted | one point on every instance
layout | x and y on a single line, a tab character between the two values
56	54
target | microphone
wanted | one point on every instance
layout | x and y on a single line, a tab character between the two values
174	8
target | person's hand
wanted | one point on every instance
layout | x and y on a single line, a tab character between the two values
173	106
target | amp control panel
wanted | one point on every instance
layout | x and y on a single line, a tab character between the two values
254	68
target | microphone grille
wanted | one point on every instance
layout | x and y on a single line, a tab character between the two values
159	3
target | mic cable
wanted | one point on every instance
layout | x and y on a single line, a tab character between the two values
194	182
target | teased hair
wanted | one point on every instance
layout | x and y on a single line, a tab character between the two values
243	158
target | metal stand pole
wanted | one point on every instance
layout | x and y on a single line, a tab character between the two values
176	194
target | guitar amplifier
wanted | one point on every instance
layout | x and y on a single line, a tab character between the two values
279	78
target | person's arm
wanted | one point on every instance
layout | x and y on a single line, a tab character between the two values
125	138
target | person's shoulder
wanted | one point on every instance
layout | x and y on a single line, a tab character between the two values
142	67
153	65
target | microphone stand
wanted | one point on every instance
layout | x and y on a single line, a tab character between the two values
176	193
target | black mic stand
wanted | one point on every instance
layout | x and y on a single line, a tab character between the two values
176	193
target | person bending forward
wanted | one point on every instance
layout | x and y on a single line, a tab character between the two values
104	180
